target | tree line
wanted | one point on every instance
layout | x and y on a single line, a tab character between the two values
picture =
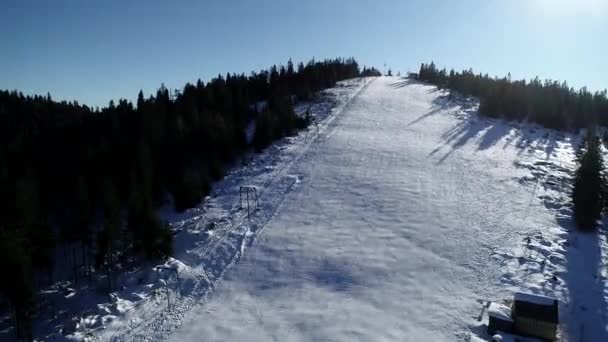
370	72
549	103
88	181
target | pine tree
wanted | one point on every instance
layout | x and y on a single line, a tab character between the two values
589	184
140	100
290	69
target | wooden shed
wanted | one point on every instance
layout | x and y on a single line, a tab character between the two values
535	316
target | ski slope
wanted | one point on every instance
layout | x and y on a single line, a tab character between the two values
210	238
406	212
393	219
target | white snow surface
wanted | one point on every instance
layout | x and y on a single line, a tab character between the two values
533	298
393	220
213	236
500	311
505	337
409	211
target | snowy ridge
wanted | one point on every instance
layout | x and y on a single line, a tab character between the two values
231	233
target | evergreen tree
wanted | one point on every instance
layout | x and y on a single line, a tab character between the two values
370	72
589	184
17	285
140	100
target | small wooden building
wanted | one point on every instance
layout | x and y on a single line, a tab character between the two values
535	316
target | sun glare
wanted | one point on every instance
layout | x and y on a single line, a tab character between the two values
573	6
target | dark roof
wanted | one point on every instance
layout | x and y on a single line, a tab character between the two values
540	312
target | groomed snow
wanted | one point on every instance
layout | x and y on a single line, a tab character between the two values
410	211
210	238
500	311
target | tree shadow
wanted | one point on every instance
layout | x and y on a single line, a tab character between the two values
488	132
458	136
440	104
587	286
528	137
580	273
574	257
298	268
494	132
405	81
424	117
334	276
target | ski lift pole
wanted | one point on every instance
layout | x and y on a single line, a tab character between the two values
248	213
254	195
160	272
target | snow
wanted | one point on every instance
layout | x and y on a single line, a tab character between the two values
213	236
500	311
504	337
410	210
476	339
393	220
534	299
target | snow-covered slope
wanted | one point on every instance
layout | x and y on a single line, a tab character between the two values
393	219
406	213
213	236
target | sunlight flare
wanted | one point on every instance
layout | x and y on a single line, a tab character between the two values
573	6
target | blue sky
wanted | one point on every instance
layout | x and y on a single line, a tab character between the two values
94	51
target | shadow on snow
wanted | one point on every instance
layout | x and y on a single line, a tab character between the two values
297	269
584	277
487	132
